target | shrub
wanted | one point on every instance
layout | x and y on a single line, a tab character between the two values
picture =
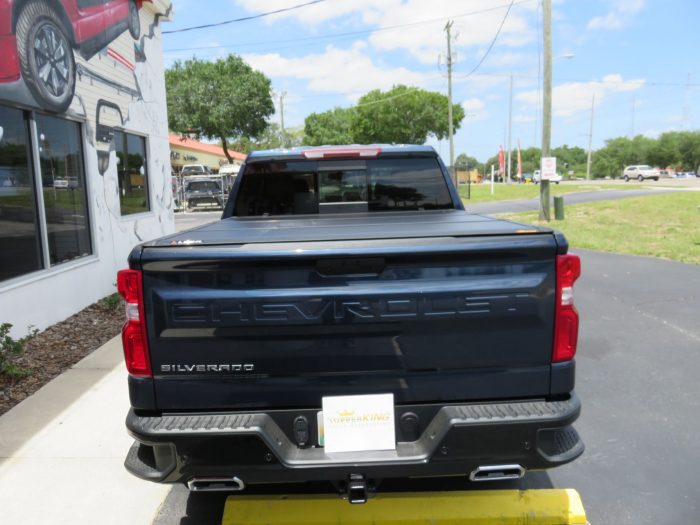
10	348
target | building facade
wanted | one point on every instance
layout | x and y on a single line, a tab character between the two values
84	155
184	151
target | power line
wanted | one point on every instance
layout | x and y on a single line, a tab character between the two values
608	82
340	35
493	42
245	18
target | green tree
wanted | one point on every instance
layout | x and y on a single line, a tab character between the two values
603	164
464	162
330	127
271	138
570	158
224	99
403	115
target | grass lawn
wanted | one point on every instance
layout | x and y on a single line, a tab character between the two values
502	192
666	226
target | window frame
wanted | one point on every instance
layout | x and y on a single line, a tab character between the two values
48	269
147	185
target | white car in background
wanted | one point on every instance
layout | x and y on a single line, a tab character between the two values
640	172
556	178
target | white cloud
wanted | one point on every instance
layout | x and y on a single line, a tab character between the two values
474	109
427	41
524	118
571	97
609	21
318	13
346	71
620	13
473	104
423	35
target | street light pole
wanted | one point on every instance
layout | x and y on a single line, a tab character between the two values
448	28
544	214
283	137
510	128
590	140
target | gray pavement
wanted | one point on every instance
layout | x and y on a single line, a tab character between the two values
637	376
515	206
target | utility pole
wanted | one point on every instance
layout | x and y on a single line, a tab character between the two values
448	28
634	106
283	136
546	103
510	129
686	105
590	140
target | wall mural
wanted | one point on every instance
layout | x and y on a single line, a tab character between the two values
75	57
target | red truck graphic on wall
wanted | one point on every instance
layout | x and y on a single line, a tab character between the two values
38	39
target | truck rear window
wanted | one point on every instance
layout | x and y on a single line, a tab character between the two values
332	186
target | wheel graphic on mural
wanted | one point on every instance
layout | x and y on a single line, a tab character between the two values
134	22
45	56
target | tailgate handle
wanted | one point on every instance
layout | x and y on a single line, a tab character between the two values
350	266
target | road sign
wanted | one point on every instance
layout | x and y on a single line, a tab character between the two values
549	167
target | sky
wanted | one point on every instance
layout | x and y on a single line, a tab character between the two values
639	60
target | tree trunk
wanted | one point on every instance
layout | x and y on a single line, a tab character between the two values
225	146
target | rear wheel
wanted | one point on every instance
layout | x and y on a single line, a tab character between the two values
45	56
640	178
134	22
627	179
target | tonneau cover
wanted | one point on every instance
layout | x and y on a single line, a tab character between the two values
346	227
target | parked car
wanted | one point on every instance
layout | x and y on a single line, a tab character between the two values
203	192
686	175
195	169
347	321
556	178
229	169
10	182
38	38
640	172
667	174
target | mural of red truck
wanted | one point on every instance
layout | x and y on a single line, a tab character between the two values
38	39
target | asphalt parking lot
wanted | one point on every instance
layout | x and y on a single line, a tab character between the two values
639	354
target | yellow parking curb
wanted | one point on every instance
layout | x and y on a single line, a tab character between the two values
484	507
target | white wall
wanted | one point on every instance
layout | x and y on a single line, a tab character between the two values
43	298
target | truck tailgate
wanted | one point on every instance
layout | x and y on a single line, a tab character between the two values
277	324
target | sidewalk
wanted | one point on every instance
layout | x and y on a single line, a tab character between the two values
62	451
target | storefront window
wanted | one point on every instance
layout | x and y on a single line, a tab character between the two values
63	182
133	173
19	230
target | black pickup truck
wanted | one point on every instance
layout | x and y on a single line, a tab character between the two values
352	277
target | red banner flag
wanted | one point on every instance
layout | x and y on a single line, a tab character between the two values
501	162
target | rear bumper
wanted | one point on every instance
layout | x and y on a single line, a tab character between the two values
203	202
252	446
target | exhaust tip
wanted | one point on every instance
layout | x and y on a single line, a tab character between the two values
497	472
233	484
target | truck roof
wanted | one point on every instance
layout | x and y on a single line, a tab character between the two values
374	150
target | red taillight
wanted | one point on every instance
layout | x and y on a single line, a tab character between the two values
134	340
566	316
340	153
